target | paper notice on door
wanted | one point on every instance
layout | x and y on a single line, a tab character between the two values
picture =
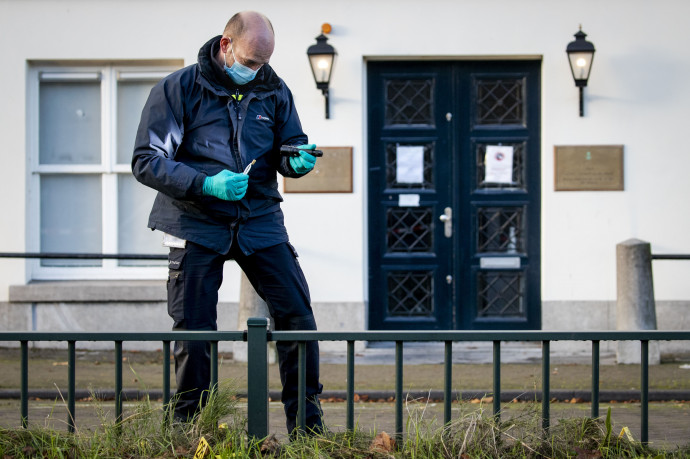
409	164
408	200
498	164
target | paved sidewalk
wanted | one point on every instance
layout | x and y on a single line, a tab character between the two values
467	352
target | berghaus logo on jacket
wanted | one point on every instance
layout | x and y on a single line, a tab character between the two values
263	118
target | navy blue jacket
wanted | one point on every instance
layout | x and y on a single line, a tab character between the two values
192	127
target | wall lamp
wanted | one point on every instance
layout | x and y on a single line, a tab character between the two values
321	57
580	54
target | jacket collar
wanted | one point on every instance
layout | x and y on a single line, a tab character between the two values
220	82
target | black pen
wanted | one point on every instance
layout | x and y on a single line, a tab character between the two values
289	150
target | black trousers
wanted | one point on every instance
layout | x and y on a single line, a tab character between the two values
195	275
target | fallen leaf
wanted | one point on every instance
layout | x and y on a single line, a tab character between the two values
488	399
60	364
383	443
271	445
587	454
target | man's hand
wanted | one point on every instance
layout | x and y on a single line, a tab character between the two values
226	185
304	162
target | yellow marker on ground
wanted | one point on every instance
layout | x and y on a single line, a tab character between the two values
203	449
627	433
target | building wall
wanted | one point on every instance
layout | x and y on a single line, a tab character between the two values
637	96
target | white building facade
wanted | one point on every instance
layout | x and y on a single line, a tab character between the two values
420	92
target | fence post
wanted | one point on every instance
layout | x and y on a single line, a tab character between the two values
118	382
545	385
25	383
350	419
251	305
71	381
257	377
166	373
399	391
497	380
644	391
635	308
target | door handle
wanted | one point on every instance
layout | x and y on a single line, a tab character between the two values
447	219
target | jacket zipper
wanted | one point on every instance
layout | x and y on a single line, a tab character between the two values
236	98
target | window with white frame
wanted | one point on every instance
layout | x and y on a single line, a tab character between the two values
83	196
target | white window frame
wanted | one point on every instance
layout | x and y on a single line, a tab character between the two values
109	74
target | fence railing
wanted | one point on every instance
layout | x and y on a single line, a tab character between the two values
258	336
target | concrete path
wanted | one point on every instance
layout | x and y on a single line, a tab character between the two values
468	352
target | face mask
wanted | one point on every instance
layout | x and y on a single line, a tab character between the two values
240	74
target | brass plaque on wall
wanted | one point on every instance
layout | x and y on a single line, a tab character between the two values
588	168
332	174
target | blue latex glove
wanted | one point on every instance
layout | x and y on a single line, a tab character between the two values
226	185
304	162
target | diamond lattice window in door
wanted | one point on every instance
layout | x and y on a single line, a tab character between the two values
409	102
410	294
500	294
409	229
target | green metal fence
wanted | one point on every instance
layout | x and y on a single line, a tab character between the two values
258	336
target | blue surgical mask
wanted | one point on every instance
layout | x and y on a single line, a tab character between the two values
240	74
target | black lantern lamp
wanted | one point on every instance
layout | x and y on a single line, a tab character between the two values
580	54
321	57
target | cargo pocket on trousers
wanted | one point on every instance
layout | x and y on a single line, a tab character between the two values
294	251
176	286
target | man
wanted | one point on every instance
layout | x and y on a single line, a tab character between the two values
201	128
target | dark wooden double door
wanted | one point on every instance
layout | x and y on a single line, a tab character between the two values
454	194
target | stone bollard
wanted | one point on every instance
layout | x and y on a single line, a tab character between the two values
635	307
251	305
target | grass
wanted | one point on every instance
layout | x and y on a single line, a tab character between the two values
149	433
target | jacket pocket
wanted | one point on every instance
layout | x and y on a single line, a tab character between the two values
176	286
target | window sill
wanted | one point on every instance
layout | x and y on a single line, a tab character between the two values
88	291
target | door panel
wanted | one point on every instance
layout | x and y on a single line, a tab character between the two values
408	196
451	246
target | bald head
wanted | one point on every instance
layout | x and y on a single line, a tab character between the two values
240	22
252	39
